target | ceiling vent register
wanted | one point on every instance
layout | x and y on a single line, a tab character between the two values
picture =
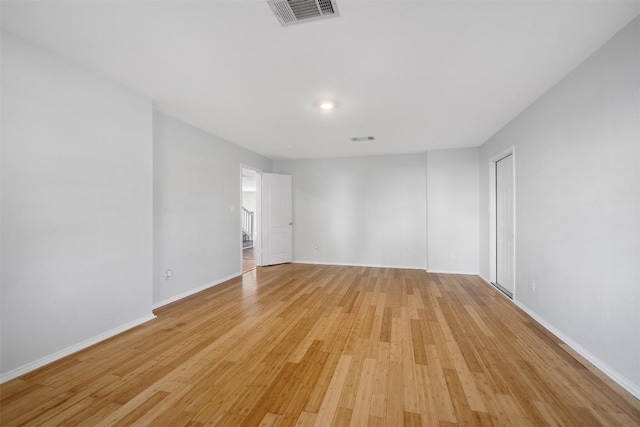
291	12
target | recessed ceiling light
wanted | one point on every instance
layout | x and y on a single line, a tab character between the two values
327	105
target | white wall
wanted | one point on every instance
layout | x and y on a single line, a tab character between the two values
197	205
577	169
452	210
359	211
76	207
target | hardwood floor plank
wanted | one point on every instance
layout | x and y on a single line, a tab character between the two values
385	333
142	409
426	399
410	398
360	414
438	382
419	347
306	419
395	405
342	418
331	399
476	403
325	345
463	412
334	346
411	419
310	367
375	421
349	390
380	382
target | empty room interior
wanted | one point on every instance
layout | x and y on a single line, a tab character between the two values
320	212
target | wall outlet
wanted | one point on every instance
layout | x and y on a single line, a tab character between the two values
315	246
168	274
453	255
532	286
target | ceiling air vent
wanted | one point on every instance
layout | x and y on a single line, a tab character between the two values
291	12
363	138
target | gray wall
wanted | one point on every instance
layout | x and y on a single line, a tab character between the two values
452	210
197	205
76	206
359	211
577	166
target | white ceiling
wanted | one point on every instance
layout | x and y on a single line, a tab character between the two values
417	75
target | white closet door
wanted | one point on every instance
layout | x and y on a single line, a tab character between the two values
505	224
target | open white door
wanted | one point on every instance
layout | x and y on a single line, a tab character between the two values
277	233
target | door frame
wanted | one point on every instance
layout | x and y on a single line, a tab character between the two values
257	244
493	240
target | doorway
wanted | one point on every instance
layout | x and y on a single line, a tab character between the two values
250	218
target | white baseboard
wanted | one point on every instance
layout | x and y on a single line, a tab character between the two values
465	273
595	361
492	286
194	291
484	278
358	265
72	349
621	380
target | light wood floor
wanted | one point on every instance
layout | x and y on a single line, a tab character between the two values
323	345
248	259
